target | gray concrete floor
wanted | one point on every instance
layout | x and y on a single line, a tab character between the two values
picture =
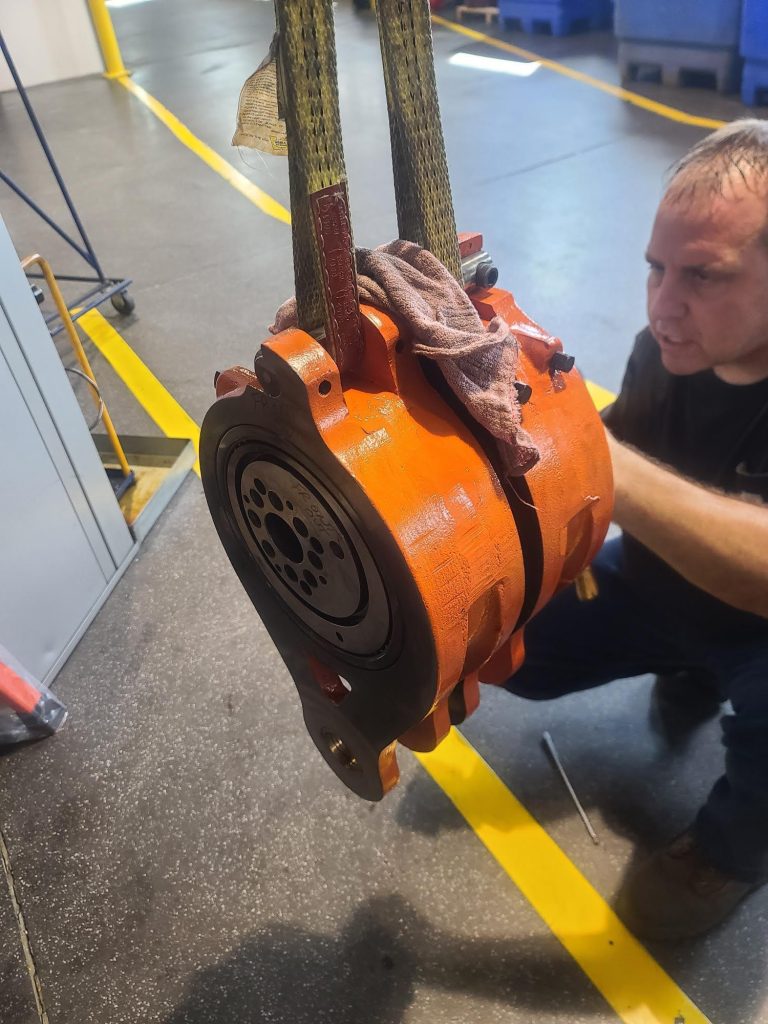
180	851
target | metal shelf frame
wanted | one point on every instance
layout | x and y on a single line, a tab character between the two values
102	287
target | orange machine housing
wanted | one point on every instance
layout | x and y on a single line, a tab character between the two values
452	557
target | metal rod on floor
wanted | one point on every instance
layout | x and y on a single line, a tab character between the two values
550	745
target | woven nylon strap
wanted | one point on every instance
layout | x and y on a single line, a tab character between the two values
309	102
422	188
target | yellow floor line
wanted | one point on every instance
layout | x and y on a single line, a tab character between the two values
600	396
217	163
622	970
671	113
267	204
156	401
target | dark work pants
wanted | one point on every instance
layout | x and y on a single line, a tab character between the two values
574	645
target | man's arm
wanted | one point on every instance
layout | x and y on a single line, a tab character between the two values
717	542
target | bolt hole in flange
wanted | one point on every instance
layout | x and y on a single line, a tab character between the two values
305	542
270	383
324	387
300	527
283	537
340	750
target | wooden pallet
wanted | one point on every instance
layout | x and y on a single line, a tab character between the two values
489	13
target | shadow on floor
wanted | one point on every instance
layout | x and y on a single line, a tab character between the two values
634	780
641	785
625	810
370	972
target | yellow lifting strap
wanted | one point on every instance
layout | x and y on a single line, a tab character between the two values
422	187
309	103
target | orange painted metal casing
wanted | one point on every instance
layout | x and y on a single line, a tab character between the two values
431	479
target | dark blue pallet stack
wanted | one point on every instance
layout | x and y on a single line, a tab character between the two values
754	50
557	17
603	13
680	42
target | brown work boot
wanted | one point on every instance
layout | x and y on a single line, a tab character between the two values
681	702
676	894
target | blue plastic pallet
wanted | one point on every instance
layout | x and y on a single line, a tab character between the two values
754	50
558	17
679	65
754	83
681	22
603	13
754	30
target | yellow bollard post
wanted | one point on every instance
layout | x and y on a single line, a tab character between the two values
105	33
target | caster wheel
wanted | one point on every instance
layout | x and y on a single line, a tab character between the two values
123	303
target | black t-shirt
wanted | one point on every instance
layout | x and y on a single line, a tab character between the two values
708	430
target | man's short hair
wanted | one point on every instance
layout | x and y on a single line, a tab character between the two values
739	148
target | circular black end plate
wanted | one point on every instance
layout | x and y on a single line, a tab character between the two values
309	548
325	575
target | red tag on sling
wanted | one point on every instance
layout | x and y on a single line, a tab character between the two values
344	329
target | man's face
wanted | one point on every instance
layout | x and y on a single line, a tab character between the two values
708	283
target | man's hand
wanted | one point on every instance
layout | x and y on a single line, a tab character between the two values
717	542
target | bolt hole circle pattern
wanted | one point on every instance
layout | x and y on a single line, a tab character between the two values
301	527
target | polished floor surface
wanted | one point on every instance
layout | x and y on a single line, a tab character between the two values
180	852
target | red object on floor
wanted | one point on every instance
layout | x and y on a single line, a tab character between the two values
17	692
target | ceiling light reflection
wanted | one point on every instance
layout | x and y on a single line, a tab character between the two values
519	68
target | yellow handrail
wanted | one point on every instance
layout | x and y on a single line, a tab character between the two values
66	319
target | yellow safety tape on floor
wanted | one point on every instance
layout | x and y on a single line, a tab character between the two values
662	109
637	988
209	156
628	977
599	395
267	204
156	400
